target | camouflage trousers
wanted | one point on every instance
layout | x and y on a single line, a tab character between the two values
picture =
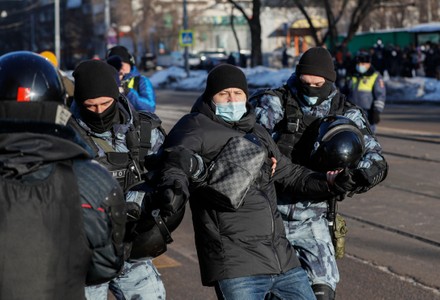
307	230
139	280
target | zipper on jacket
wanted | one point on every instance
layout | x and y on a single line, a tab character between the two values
273	231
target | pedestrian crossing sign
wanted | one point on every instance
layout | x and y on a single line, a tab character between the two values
186	38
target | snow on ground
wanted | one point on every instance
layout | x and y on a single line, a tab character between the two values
399	89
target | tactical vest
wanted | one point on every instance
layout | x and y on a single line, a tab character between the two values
294	122
44	252
128	168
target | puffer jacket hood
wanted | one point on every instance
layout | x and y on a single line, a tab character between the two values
47	121
20	148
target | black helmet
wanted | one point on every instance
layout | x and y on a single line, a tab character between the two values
28	77
154	234
152	231
339	144
363	57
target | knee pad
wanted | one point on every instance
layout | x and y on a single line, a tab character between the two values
323	292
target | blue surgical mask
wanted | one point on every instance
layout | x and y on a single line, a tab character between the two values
231	111
310	100
361	69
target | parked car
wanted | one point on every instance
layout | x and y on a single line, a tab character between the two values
148	62
212	58
242	59
176	58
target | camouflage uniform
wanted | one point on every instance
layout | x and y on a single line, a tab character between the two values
139	279
306	222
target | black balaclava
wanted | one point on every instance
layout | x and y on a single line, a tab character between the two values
316	61
94	79
100	122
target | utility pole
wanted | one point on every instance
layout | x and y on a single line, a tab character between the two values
107	22
107	14
185	27
57	31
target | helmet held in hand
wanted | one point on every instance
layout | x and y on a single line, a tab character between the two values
339	144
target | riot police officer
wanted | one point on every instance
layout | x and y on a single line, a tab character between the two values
63	216
124	141
309	94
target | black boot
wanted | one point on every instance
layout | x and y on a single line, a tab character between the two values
323	292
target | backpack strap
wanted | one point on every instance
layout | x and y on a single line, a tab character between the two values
344	105
102	144
147	122
339	105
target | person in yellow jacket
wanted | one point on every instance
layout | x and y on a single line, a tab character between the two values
67	82
366	88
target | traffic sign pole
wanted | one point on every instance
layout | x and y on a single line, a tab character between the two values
185	27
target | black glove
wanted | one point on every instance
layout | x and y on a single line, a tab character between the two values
183	159
374	116
133	211
368	178
344	182
172	199
133	216
359	181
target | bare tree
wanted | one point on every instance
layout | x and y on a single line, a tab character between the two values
233	30
255	29
335	10
162	21
356	11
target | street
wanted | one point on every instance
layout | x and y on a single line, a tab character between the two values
393	240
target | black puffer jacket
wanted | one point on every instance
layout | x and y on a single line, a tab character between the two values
251	240
67	210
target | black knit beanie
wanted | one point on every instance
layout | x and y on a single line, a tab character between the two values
222	77
317	61
93	79
122	52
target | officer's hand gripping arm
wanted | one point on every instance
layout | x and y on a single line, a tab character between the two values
186	160
344	182
367	178
360	180
172	199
